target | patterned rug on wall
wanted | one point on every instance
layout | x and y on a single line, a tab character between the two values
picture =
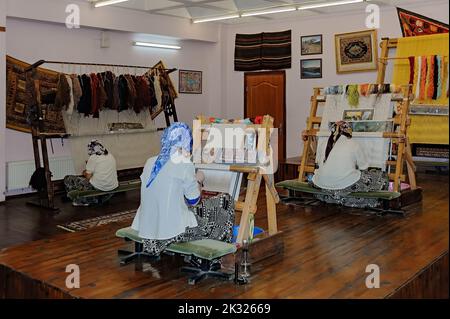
98	221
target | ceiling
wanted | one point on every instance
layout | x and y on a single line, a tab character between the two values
195	9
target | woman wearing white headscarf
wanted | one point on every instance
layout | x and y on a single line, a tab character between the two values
171	208
344	169
100	174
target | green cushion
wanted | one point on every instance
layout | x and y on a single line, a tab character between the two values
205	249
384	195
128	233
296	185
123	187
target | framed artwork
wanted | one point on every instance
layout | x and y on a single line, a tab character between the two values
414	24
191	82
311	69
356	51
312	44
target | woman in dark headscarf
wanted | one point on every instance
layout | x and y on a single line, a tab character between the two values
344	169
100	174
171	208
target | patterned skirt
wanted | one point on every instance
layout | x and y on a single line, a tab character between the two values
370	181
215	219
80	183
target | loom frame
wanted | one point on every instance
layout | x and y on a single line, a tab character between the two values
400	136
46	198
255	176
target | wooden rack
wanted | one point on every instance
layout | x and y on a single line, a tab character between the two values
400	136
255	175
39	138
41	62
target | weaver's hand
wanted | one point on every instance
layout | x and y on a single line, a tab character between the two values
200	177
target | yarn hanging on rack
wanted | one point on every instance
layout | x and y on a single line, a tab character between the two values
353	95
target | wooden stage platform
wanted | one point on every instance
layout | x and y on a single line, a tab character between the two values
326	253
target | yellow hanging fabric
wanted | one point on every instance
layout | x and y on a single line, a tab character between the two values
426	45
425	129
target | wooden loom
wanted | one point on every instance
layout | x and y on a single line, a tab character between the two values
46	198
400	136
248	207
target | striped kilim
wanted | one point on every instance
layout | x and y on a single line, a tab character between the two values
263	51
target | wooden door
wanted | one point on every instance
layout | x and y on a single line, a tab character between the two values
265	94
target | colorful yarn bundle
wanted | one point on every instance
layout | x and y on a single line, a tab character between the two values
353	95
364	90
334	90
355	91
428	76
216	120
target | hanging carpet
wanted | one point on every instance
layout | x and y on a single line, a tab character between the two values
263	51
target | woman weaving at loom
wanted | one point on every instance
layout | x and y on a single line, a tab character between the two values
344	169
100	174
171	208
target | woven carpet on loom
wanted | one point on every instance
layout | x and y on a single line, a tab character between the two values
424	129
263	51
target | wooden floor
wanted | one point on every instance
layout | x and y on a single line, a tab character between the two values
326	253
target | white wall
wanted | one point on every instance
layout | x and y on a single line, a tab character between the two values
31	41
299	91
2	98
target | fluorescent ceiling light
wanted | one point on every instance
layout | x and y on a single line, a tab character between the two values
269	11
328	4
156	45
231	16
279	10
99	4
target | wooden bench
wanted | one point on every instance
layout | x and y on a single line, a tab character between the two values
296	186
123	187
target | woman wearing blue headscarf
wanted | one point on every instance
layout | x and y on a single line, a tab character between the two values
171	208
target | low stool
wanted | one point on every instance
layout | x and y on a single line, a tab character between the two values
131	235
203	255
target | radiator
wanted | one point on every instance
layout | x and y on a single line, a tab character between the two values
18	174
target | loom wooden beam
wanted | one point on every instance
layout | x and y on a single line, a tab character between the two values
411	167
312	132
395	176
310	126
249	208
316	120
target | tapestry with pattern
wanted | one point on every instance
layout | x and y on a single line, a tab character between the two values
263	51
18	99
414	24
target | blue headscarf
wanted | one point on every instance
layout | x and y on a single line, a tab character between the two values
177	136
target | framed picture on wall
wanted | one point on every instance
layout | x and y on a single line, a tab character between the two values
356	51
312	44
311	69
191	82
